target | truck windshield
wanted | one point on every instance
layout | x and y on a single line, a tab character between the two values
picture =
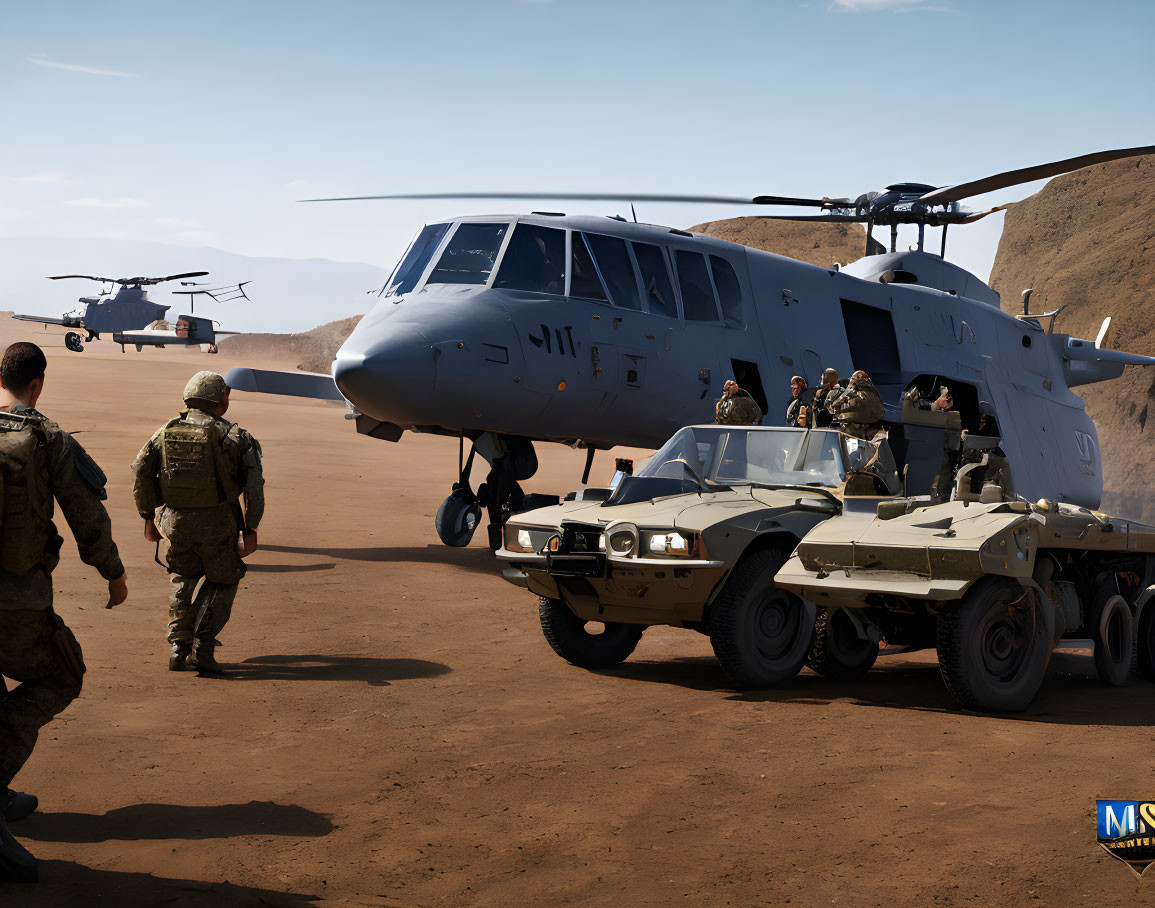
706	458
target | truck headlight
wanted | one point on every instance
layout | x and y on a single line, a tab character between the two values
521	540
673	543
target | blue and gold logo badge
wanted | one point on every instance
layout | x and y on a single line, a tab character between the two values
1127	832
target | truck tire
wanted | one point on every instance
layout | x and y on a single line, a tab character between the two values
567	636
993	647
838	652
1145	642
1113	631
760	633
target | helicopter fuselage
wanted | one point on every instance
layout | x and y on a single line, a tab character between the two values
592	330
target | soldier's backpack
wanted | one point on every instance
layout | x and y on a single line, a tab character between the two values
25	497
193	472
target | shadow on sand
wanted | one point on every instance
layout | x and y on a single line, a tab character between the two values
176	821
65	884
374	672
1072	693
470	558
289	568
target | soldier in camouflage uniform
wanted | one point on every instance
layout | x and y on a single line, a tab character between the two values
196	469
39	462
859	408
736	407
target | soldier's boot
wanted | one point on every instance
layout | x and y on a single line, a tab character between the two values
17	805
16	864
180	651
204	659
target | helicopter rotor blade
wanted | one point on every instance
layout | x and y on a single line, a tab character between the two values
828	218
804	203
173	277
87	277
559	196
979	215
1029	174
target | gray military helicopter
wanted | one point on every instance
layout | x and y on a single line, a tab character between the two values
128	314
596	332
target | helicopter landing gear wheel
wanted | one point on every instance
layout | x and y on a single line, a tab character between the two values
73	342
568	636
760	633
458	517
1114	634
838	652
993	647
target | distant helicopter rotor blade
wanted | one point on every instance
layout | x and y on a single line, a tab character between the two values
1029	174
559	196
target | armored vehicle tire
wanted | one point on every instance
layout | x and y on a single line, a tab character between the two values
1114	634
760	633
993	647
457	518
1145	642
566	634
73	342
838	652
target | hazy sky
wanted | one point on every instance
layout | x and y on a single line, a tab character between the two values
201	123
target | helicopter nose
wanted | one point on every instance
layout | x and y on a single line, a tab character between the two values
386	379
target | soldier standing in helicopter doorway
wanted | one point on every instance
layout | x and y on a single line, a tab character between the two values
196	469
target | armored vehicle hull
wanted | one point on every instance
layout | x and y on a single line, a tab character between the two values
993	586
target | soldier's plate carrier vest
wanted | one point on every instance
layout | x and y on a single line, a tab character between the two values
25	498
193	473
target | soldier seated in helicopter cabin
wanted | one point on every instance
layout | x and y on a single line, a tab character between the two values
859	408
796	411
736	407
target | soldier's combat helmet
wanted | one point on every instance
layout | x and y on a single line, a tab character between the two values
205	387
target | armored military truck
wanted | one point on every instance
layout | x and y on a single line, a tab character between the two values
993	584
694	540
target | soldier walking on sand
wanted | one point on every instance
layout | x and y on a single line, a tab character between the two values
39	462
196	469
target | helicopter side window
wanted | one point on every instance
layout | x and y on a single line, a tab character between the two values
729	290
656	280
697	294
534	260
614	262
409	272
469	257
584	282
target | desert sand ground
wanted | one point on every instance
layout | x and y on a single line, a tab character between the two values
395	730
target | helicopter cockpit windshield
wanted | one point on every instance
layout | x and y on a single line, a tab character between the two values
710	458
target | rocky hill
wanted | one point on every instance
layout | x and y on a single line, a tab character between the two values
1087	241
818	244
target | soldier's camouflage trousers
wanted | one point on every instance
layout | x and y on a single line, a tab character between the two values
38	650
215	598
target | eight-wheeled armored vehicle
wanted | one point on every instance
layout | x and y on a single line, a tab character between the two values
994	584
694	540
